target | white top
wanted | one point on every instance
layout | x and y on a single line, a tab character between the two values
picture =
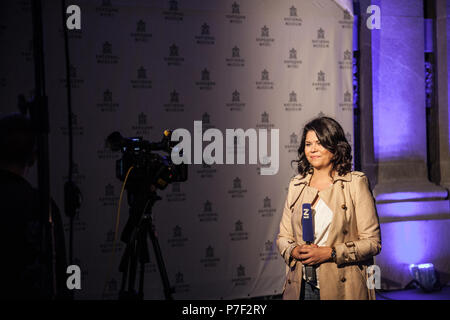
322	216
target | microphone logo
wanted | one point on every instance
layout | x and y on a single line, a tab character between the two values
305	213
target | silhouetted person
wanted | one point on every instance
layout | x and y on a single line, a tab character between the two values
26	263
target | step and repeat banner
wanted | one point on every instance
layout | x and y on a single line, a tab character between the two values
140	67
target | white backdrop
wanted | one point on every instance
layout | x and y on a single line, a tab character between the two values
140	67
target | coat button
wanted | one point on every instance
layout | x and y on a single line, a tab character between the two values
344	207
344	231
343	279
289	281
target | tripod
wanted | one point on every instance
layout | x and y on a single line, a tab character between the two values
139	225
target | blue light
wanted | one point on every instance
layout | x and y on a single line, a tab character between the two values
425	276
426	265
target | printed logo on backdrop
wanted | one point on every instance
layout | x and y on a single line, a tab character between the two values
239	278
141	81
77	128
75	80
150	267
347	62
265	82
106	9
293	19
77	177
208	214
205	36
209	261
320	41
236	104
237	191
206	122
107	105
108	243
24	6
346	22
268	253
106	56
174	58
180	285
109	198
292	62
106	153
141	34
141	126
264	123
174	104
111	290
235	16
321	84
348	136
207	171
235	60
267	211
27	52
173	14
177	239
205	83
78	224
265	40
293	104
72	34
176	195
347	104
238	234
294	143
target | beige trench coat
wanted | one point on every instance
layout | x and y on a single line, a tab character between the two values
354	232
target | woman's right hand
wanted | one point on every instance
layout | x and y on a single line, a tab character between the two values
295	253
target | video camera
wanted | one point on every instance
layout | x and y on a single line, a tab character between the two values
148	167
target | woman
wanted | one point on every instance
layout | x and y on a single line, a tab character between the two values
346	225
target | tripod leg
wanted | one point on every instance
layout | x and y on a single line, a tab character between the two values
159	259
132	270
141	281
143	259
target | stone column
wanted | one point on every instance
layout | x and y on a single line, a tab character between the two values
399	126
414	213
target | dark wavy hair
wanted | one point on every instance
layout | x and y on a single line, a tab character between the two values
332	137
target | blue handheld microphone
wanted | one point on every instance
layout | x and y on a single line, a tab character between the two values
308	237
307	223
